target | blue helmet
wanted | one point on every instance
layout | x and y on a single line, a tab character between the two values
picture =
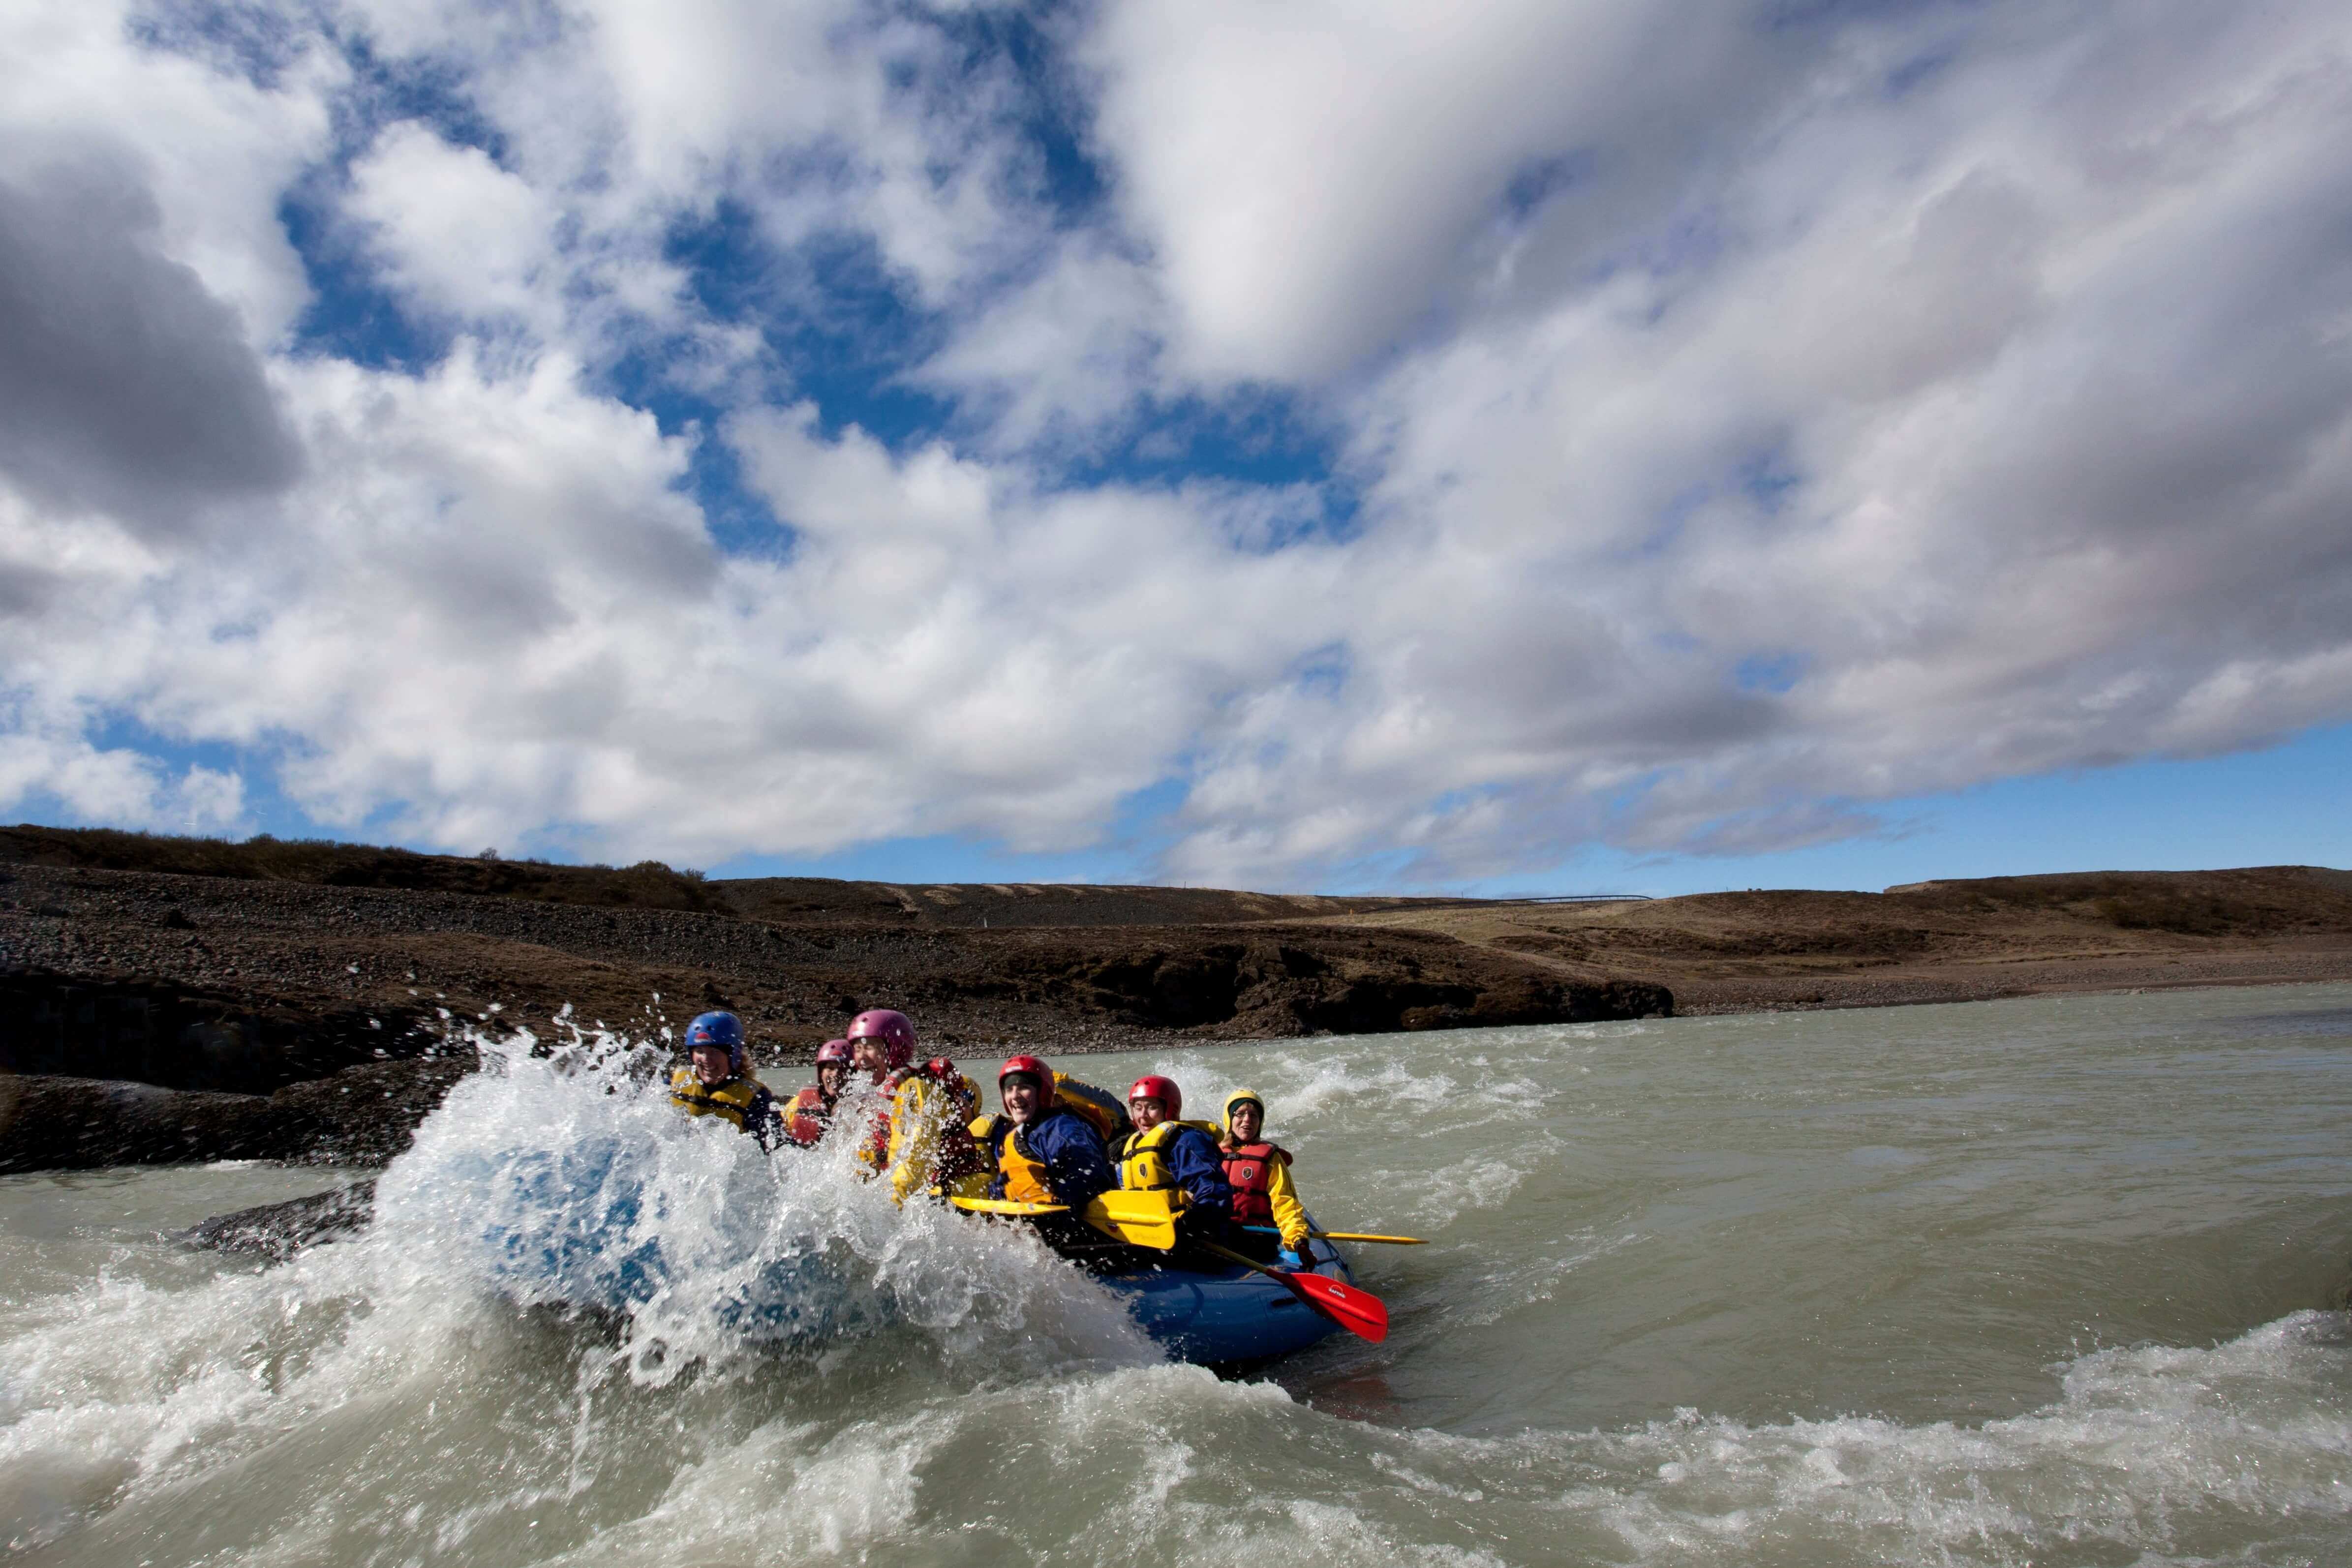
722	1030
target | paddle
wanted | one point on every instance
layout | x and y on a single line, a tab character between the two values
1360	1313
1347	1235
1155	1230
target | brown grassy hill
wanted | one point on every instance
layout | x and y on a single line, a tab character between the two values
650	884
1937	940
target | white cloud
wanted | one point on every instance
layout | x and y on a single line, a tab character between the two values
1745	423
220	147
1312	175
458	233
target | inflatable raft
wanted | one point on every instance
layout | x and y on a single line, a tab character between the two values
1216	1315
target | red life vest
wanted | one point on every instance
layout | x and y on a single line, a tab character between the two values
1250	1168
810	1115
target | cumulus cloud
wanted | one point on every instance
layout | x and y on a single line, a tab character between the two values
1735	424
460	234
125	386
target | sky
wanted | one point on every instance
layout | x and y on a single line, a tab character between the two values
1383	446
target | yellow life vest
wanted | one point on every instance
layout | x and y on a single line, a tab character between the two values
1099	1106
732	1099
1143	1165
1024	1175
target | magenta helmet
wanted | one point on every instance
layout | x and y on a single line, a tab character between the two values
832	1050
895	1031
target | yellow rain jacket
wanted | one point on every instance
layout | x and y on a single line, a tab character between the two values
928	1145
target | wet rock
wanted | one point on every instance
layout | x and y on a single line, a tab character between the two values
278	1231
189	1037
364	1115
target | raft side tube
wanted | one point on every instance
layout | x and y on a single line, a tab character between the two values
1214	1315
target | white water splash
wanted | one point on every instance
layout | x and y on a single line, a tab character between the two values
567	1179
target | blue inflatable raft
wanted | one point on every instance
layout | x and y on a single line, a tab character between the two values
1228	1315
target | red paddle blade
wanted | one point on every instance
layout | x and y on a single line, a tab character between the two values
1360	1313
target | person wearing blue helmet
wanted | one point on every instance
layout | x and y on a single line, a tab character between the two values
719	1081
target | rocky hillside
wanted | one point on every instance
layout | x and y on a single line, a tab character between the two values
251	970
1935	941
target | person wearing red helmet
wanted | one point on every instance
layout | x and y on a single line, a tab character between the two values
1045	1152
932	1146
881	1045
1167	1153
810	1112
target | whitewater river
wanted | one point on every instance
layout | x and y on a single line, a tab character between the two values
2050	1282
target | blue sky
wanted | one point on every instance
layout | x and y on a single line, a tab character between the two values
1356	447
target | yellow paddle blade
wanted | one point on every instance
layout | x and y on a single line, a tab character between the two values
1149	1223
1138	1207
1138	1218
1360	1236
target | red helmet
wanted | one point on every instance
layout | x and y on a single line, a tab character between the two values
832	1050
895	1031
1151	1086
941	1067
1033	1065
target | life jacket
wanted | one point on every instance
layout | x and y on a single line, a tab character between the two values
1096	1105
1006	1142
809	1115
1249	1168
737	1099
1143	1158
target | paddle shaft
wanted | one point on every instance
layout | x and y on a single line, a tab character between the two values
1346	1236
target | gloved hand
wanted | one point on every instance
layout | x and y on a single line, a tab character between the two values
1289	1259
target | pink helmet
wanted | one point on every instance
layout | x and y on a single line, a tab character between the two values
832	1050
895	1031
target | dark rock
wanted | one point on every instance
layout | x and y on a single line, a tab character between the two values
181	1037
364	1115
278	1231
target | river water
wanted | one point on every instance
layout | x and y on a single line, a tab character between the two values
2048	1282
